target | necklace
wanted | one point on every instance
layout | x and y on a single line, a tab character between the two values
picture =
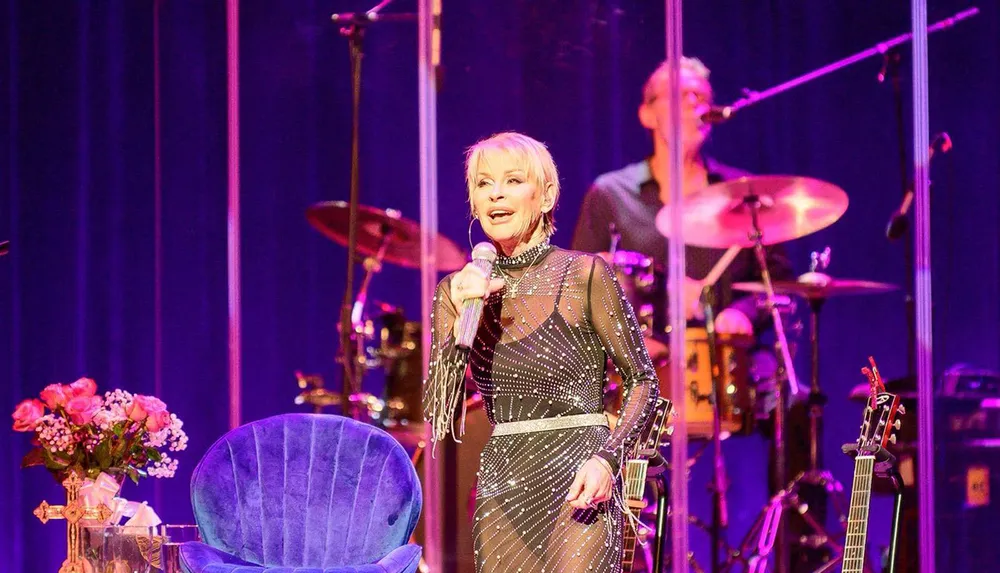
514	262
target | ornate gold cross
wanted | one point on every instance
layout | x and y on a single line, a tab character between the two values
72	512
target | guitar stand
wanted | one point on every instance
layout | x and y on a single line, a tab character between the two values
657	475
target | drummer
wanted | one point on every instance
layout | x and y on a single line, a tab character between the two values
627	200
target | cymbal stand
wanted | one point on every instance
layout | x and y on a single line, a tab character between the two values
355	25
786	371
359	329
816	399
720	482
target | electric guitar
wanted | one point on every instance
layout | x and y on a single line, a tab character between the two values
634	474
877	431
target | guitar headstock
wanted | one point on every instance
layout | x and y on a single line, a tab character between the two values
881	413
660	423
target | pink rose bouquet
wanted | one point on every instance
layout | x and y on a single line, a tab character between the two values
120	434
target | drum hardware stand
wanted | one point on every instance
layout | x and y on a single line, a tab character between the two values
315	394
759	542
354	30
359	327
816	399
786	369
616	238
720	482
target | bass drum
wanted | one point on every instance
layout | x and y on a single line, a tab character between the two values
737	395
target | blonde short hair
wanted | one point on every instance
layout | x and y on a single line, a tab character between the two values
530	154
693	65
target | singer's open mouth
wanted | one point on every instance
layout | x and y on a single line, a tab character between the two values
500	215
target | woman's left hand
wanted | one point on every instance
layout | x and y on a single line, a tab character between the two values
593	485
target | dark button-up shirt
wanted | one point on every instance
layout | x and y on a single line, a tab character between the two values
629	198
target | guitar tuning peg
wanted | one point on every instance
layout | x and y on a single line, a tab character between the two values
902	409
892	439
897	424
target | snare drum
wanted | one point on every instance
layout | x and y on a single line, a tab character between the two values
736	394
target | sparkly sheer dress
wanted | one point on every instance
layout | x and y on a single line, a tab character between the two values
541	352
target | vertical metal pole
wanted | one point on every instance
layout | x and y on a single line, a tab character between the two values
233	217
428	55
922	280
675	293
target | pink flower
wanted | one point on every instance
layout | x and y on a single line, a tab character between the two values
143	406
81	410
83	387
157	421
55	395
26	415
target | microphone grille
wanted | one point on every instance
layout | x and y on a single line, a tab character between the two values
484	251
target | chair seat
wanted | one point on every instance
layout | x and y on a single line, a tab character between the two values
200	558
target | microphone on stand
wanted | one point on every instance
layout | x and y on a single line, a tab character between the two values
898	221
362	18
484	255
717	114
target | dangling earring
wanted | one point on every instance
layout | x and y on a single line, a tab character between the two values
471	221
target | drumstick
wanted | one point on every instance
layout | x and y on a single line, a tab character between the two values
721	266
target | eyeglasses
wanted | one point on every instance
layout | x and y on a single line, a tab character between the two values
694	97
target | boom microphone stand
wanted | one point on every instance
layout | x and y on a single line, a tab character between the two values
355	25
721	114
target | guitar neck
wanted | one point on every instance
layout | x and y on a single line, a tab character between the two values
634	489
857	518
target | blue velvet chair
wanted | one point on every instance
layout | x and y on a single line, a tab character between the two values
304	493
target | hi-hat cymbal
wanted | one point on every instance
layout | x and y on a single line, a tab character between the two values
819	286
790	207
332	218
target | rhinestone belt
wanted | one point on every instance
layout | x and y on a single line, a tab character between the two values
545	424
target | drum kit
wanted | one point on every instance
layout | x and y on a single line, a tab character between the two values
749	212
389	341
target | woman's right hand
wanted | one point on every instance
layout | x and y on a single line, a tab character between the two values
472	282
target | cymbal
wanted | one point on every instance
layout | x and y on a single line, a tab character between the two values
718	216
819	286
332	219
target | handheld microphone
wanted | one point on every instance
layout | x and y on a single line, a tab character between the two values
484	255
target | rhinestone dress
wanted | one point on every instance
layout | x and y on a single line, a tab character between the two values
540	352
